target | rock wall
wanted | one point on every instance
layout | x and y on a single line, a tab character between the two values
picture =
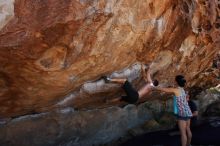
209	102
6	12
67	127
52	51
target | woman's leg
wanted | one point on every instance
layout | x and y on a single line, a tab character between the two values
113	100
120	81
188	132
182	127
109	80
131	94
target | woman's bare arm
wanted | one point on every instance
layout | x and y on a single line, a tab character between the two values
143	72
195	113
168	90
147	77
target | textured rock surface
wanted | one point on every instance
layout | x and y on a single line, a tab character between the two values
6	12
73	128
52	52
209	103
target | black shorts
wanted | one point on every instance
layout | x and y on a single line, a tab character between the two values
132	95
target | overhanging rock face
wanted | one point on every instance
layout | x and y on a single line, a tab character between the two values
55	51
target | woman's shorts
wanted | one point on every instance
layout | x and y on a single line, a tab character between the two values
132	95
182	118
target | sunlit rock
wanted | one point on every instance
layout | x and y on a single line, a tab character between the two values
6	12
53	53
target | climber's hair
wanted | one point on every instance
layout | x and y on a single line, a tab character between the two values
155	82
180	80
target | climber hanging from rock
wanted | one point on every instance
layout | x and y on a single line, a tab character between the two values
132	95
